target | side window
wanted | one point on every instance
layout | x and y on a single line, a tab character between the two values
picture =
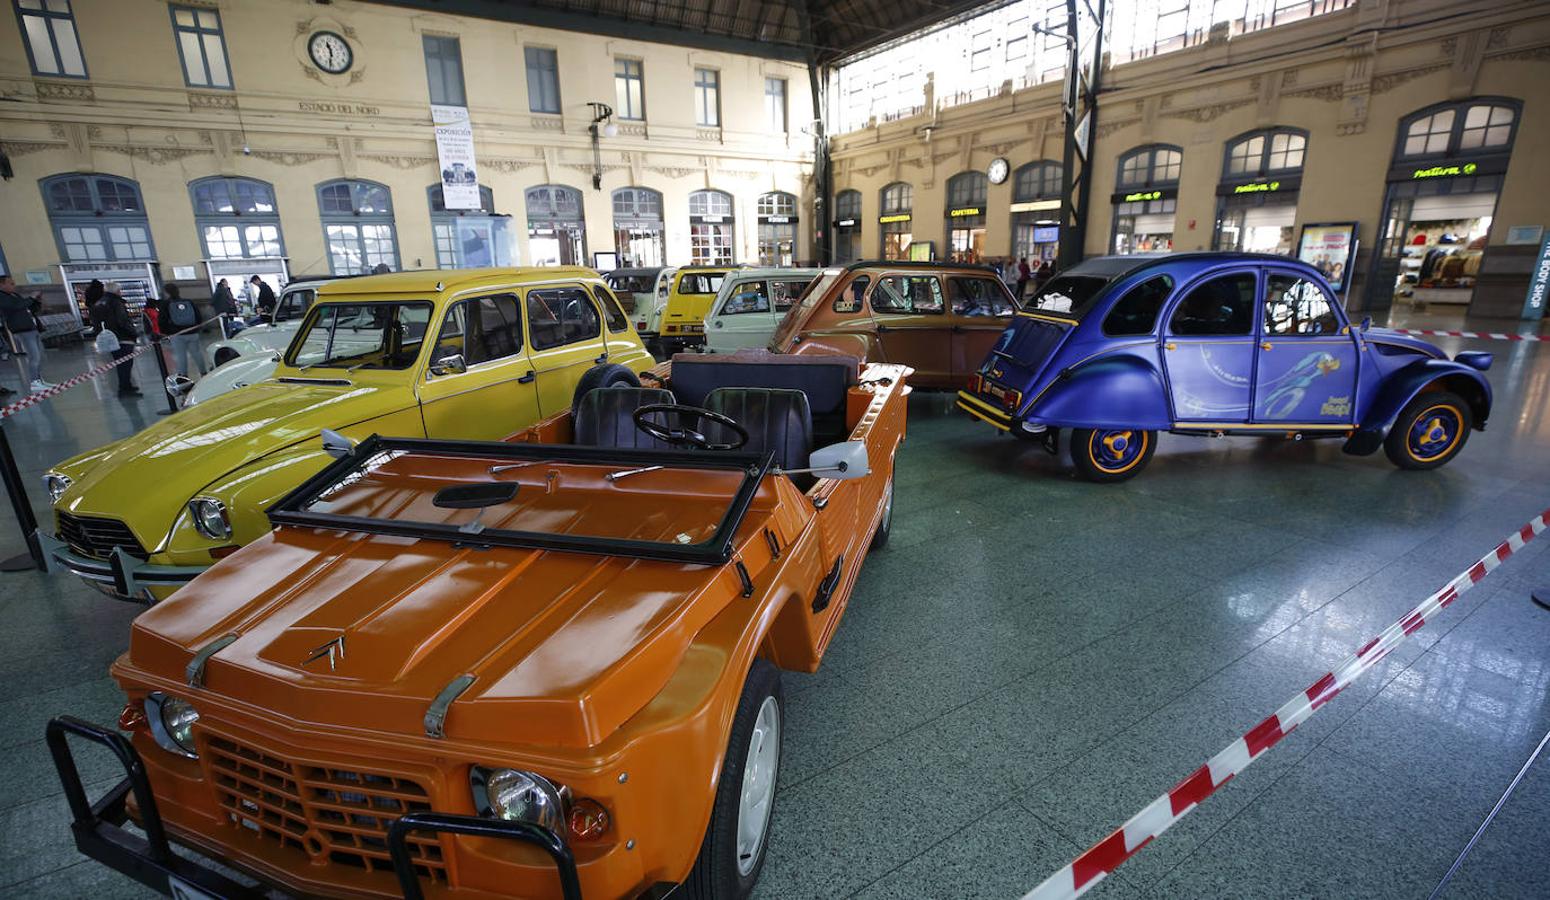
1297	306
496	329
978	297
786	293
1136	312
449	341
612	311
748	297
561	316
1221	306
849	300
908	294
293	305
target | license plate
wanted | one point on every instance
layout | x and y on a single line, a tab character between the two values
1007	396
182	890
695	329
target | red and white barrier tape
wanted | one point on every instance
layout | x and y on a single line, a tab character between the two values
1478	335
1158	816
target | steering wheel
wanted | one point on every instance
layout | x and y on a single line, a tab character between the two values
684	436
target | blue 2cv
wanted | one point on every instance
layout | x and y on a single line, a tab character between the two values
1119	348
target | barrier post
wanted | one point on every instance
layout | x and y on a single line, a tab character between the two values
161	364
17	491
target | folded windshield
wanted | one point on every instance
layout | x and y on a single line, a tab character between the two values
379	335
1068	295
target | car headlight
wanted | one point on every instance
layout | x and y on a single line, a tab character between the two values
210	518
521	796
56	485
172	723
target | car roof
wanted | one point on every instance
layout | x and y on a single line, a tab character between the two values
917	264
771	271
642	270
1115	267
432	281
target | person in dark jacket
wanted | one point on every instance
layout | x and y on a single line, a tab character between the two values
26	339
266	300
110	312
224	304
177	317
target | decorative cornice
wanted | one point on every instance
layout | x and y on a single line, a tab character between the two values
65	90
22	148
673	172
1107	128
1533	54
397	161
632	129
708	134
1329	93
156	156
211	101
1384	83
547	123
291	157
500	164
1209	113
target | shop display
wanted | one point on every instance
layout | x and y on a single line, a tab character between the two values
568	640
1441	259
141	516
936	318
1112	351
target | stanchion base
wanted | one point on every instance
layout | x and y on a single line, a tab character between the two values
1541	596
21	562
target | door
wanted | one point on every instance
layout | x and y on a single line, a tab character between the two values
913	326
564	340
981	309
491	393
1307	357
616	333
743	318
1208	350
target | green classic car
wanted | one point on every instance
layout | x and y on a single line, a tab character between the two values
143	515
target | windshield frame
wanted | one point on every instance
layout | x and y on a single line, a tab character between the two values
716	550
315	312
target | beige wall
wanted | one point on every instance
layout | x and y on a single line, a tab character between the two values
135	117
1347	78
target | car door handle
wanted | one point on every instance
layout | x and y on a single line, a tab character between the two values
601	359
528	378
1170	346
1264	345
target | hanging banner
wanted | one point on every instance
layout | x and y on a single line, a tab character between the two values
455	152
1538	284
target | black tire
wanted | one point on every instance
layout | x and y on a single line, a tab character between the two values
1096	460
716	874
1432	417
605	375
885	527
224	355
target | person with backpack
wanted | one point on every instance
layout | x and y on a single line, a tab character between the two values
109	313
177	315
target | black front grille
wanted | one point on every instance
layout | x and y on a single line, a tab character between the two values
95	537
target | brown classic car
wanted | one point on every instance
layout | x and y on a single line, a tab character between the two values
940	320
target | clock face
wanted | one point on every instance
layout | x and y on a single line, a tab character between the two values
998	170
330	52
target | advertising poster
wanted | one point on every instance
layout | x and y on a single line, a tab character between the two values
1328	248
1538	284
455	151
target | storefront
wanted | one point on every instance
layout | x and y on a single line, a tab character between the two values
1036	191
777	229
895	220
556	230
966	216
1256	199
1147	199
638	227
712	229
1449	163
847	226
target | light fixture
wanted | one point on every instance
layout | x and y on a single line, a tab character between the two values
601	113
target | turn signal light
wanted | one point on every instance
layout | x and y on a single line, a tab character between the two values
132	716
588	820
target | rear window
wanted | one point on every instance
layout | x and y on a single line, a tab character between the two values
634	284
1136	312
1068	295
700	282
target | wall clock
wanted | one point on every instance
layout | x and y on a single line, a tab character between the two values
330	52
999	168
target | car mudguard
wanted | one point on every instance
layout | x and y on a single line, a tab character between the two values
1121	390
1403	385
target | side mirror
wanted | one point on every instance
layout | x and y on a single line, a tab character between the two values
336	445
1366	322
840	461
449	365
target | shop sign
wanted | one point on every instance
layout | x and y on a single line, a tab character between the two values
1538	284
1525	234
1140	196
896	217
964	211
1035	205
1445	171
776	220
845	223
712	220
1046	234
1258	187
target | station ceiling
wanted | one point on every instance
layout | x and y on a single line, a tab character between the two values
821	31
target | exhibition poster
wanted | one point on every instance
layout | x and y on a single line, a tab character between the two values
455	151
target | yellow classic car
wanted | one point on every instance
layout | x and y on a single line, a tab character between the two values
507	347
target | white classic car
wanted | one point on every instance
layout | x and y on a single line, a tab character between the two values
750	304
252	354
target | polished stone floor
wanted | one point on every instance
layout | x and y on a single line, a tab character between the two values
1033	658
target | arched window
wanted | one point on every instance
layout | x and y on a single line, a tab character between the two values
777	203
1450	129
1036	181
966	216
556	229
1158	165
712	230
98	218
847	205
468	238
897	203
237	218
357	225
638	227
847	226
777	228
898	198
967	189
1270	151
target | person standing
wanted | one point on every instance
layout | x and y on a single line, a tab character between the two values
225	306
1023	274
265	301
178	316
25	337
110	312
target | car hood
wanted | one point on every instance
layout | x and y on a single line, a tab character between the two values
1390	336
567	644
144	480
240	372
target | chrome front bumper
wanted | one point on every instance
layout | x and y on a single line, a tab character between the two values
120	574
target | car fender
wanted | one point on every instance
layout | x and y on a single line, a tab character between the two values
861	346
1415	378
1113	390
